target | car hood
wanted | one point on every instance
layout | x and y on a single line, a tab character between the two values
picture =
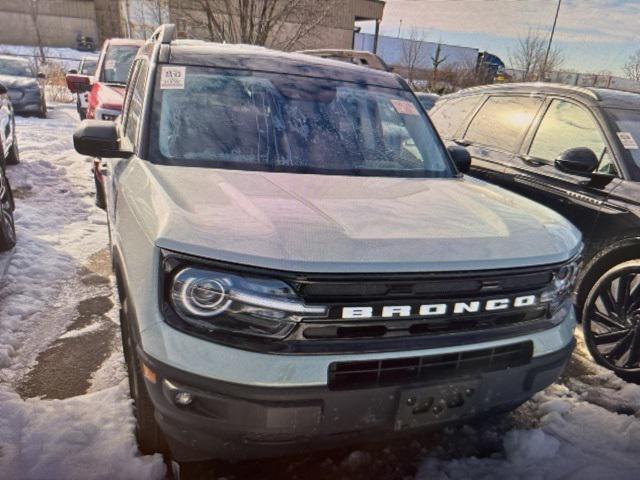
323	223
19	83
111	96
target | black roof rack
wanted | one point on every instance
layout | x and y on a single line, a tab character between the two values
164	34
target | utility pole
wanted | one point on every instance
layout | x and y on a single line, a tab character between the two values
553	30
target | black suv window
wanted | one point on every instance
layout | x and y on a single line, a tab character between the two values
274	122
566	125
502	121
449	115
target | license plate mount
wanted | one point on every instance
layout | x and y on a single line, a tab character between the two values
422	406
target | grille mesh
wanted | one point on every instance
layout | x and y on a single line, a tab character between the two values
365	374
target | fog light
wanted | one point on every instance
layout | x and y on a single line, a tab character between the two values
183	398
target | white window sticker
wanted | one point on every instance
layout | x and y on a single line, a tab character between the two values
627	140
404	107
172	78
110	65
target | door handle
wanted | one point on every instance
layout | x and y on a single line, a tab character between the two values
531	161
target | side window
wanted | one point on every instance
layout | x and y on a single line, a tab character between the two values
448	115
566	125
502	121
134	108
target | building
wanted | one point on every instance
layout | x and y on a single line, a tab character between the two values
56	22
336	30
59	22
398	52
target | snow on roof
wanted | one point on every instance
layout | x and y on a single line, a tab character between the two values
252	57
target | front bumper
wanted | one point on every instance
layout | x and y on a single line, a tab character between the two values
241	421
233	422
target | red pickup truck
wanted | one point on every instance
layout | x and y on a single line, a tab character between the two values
106	89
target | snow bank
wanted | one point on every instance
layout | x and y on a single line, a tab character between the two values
577	438
85	437
58	227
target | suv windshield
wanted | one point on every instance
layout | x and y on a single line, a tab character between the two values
272	122
88	67
628	122
15	68
117	63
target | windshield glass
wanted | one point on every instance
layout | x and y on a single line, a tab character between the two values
88	67
628	130
15	68
260	121
117	63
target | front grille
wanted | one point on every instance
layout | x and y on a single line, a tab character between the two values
379	290
415	327
402	371
456	285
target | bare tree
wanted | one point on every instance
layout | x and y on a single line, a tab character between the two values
436	60
529	57
281	24
414	54
631	69
34	7
144	16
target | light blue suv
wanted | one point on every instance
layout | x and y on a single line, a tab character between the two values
302	264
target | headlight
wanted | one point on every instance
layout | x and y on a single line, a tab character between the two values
564	279
214	301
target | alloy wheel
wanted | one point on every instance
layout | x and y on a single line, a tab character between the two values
611	319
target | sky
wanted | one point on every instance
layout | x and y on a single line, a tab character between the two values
593	35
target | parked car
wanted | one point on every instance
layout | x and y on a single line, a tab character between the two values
105	90
428	100
85	43
24	85
574	150
87	67
8	155
294	275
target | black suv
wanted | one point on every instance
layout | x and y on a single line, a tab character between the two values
574	150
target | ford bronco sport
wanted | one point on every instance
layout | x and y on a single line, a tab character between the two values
301	265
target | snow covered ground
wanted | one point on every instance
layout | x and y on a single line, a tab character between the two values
68	57
65	411
58	228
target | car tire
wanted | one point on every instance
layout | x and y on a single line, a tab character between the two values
7	225
148	434
101	201
14	154
43	111
611	320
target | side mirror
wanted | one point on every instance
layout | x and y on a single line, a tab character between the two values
78	83
579	161
3	89
98	138
461	157
42	75
73	71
